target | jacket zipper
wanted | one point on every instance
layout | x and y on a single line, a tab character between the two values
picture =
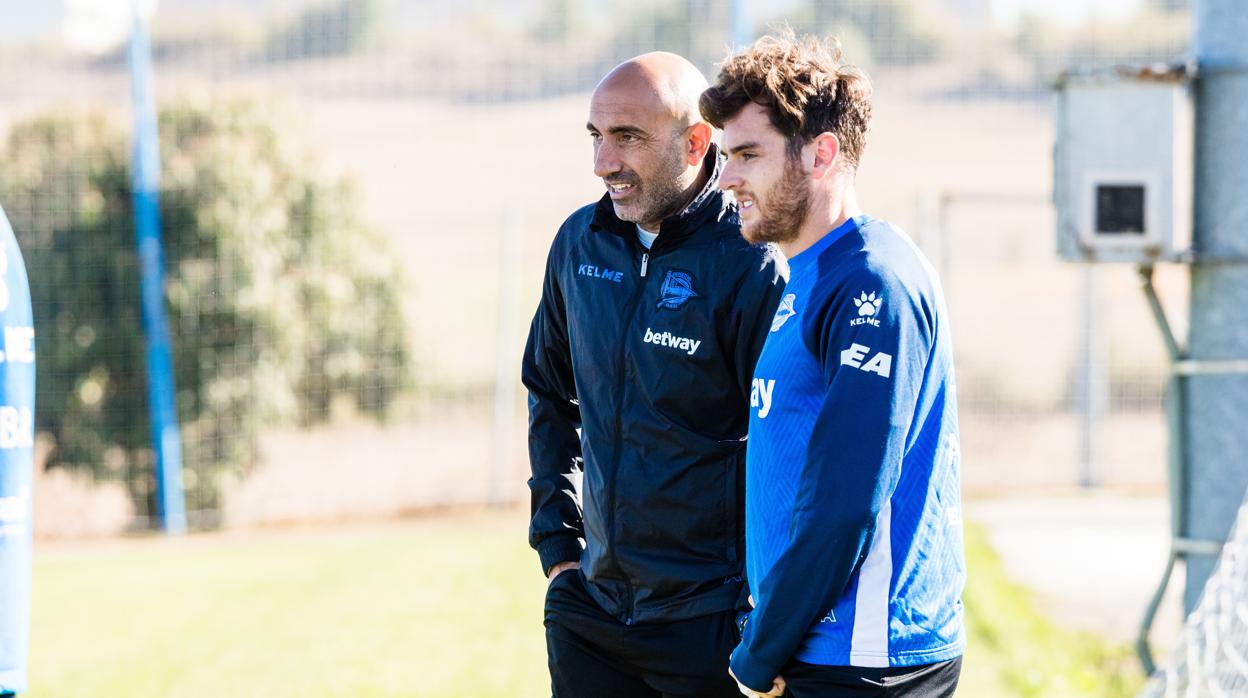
634	303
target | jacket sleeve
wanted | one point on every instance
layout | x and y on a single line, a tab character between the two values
555	530
872	377
756	302
755	305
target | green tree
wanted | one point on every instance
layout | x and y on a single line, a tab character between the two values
559	22
280	301
337	28
894	28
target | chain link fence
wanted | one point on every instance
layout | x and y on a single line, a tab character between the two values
1210	657
358	196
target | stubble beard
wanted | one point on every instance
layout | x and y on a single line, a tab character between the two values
661	196
785	207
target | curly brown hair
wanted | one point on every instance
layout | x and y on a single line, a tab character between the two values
804	86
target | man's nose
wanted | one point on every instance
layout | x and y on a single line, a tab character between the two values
605	161
729	179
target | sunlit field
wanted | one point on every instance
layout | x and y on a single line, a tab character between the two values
449	605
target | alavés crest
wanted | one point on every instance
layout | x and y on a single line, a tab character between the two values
677	289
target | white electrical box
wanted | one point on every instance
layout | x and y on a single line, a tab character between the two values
1122	166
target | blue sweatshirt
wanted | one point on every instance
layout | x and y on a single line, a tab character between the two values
853	513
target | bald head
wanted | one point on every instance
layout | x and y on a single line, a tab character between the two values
650	140
663	82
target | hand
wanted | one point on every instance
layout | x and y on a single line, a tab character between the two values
777	688
559	569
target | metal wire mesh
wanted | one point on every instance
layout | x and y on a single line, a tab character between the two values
458	127
1210	659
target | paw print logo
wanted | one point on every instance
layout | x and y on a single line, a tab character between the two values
868	305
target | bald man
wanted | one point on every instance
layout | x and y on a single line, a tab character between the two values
653	312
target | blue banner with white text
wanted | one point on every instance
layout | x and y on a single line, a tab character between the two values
17	438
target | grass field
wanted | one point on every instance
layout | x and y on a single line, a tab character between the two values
443	606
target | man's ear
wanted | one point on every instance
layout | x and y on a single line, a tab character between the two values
697	141
827	151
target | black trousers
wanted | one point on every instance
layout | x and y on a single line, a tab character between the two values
928	681
593	655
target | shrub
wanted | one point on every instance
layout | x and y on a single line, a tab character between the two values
280	301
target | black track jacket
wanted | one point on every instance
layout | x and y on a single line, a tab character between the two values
650	355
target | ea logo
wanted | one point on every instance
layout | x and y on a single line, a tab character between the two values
880	364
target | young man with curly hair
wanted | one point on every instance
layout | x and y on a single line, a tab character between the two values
853	517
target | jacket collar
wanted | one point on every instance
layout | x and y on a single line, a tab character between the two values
709	204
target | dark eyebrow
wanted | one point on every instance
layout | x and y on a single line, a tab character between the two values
744	146
627	129
634	130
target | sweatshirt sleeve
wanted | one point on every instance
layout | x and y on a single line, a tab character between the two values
872	337
555	529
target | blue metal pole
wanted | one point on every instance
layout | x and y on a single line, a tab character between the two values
1217	402
742	25
166	438
17	441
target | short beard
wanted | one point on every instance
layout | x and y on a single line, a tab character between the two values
664	192
785	207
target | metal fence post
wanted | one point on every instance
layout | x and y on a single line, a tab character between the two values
1218	403
506	359
166	437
